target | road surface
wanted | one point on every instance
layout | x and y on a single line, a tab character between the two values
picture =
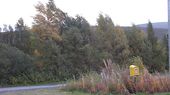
9	89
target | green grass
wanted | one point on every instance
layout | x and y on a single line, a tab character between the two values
34	84
43	92
58	92
166	93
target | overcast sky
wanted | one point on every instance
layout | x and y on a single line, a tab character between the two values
122	12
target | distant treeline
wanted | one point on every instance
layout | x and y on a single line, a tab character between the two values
58	47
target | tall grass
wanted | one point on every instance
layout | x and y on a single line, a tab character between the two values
114	79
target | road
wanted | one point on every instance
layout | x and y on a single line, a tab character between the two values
9	89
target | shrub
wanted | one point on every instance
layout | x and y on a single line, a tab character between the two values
138	62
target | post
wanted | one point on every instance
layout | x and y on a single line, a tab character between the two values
169	33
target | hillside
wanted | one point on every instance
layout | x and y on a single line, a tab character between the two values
160	25
159	32
160	28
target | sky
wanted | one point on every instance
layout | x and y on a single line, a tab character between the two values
122	12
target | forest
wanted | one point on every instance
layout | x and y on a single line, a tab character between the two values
58	47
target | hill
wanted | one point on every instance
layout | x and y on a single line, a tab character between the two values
160	28
160	25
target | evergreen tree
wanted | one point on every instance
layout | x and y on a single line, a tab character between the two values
136	39
73	51
165	43
158	51
105	28
120	46
151	34
20	26
111	41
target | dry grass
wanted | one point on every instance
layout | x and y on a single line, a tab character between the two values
116	80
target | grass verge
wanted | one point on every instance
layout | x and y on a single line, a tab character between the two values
44	92
114	80
59	92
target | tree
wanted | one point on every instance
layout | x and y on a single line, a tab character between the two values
80	23
111	41
14	64
104	36
151	34
20	26
5	28
6	38
139	45
159	58
77	49
120	46
105	24
73	52
10	28
48	20
10	35
137	41
165	43
158	51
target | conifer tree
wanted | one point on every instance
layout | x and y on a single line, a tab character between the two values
158	51
120	46
112	40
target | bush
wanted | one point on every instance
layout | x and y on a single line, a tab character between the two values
138	62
